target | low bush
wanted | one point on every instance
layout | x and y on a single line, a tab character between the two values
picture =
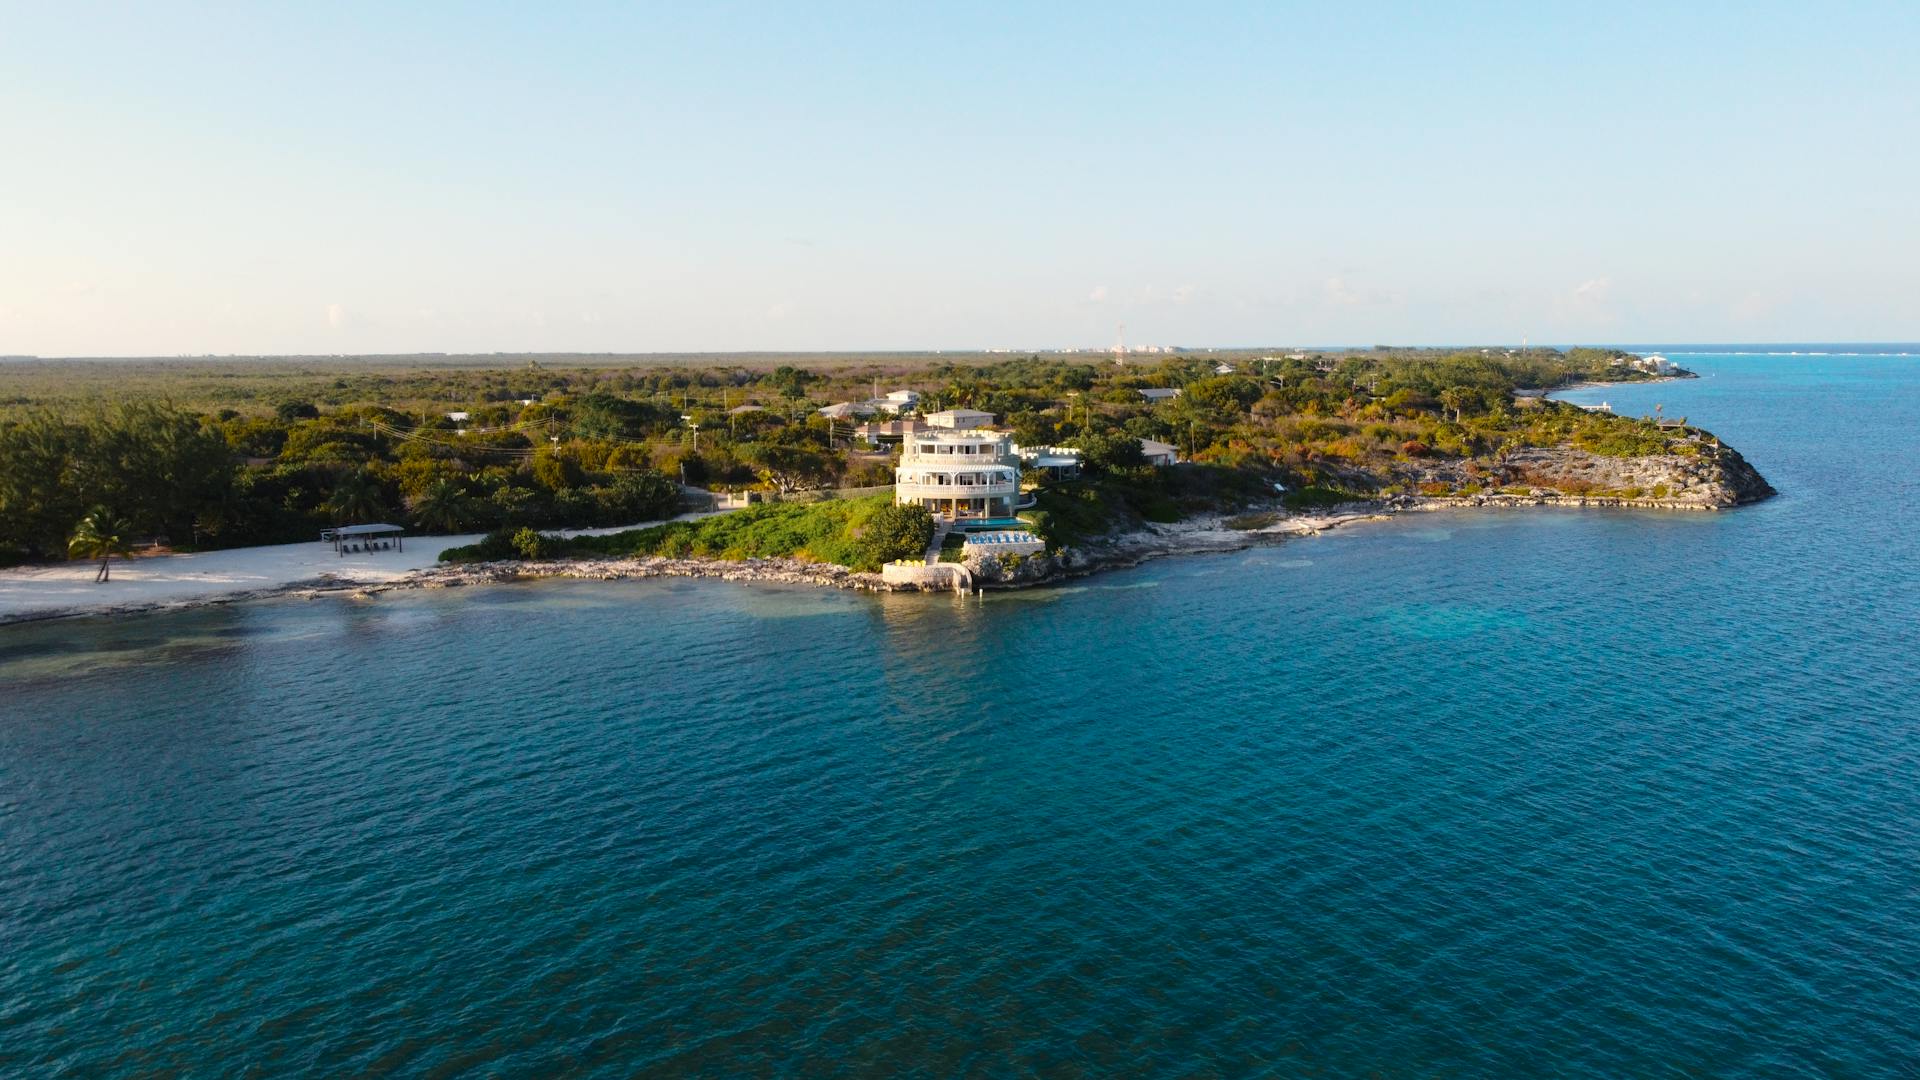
861	533
1319	497
1250	522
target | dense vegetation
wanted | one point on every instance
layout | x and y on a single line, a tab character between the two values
861	533
276	451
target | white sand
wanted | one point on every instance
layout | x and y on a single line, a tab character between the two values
184	580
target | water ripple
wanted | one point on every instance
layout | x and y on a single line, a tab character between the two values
1617	794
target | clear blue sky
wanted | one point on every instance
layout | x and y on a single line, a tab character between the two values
359	178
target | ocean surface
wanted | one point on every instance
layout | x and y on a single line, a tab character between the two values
1514	793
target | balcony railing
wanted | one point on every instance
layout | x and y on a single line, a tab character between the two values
1004	487
990	456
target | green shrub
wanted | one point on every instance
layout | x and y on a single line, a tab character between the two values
492	547
530	544
1318	497
893	532
859	533
1250	522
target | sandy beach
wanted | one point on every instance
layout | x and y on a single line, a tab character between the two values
186	580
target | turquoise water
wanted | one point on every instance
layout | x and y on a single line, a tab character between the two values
1615	793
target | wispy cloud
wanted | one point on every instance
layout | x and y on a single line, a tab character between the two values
1593	290
1098	295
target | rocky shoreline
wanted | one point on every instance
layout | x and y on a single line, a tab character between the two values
1211	534
1714	478
1199	536
1704	474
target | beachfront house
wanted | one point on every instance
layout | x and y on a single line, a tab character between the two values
1159	394
1159	453
966	475
960	419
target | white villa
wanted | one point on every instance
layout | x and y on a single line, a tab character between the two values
963	474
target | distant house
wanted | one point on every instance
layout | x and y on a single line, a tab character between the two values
960	419
888	431
458	417
1223	369
1160	393
1159	453
742	410
847	410
900	400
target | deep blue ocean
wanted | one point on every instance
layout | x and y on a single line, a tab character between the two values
1512	793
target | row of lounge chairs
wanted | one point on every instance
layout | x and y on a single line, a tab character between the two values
371	545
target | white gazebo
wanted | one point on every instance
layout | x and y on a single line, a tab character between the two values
355	539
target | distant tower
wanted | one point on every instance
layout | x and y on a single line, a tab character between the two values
1120	343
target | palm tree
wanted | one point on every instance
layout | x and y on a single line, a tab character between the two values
356	500
442	507
100	535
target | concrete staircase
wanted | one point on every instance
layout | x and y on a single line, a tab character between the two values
941	527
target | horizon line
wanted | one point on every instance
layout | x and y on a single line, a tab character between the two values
1675	346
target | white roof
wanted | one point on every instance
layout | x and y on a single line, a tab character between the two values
366	530
847	408
958	434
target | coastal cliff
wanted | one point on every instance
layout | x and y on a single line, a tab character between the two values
1709	475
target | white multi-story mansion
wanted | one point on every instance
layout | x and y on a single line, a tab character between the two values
968	474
